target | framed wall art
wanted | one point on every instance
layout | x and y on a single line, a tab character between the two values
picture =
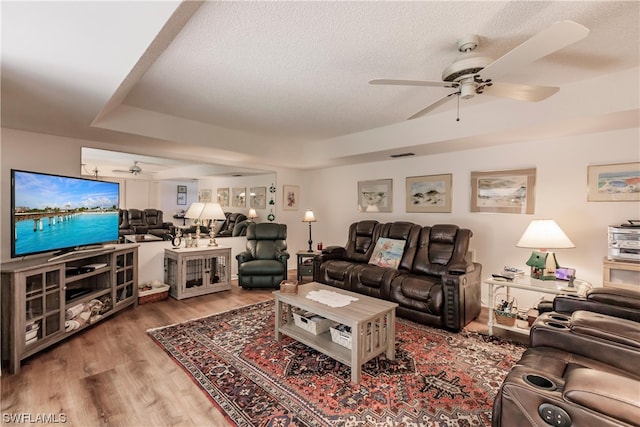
613	183
290	197
506	191
204	195
375	196
430	193
258	197
182	195
223	196
238	197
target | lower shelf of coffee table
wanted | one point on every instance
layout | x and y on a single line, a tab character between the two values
321	342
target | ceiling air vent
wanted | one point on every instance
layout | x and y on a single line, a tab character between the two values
395	156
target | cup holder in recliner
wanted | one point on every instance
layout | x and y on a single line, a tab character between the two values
556	325
539	381
560	318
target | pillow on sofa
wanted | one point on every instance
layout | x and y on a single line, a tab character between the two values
387	253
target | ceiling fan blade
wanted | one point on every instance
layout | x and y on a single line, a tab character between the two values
412	83
558	36
520	92
433	106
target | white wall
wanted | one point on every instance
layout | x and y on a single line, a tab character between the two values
560	194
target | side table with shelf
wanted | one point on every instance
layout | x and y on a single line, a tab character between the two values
621	274
551	287
305	263
191	272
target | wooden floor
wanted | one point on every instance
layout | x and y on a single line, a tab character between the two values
113	374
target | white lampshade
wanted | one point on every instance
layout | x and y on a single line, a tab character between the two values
252	214
212	211
194	211
308	216
544	234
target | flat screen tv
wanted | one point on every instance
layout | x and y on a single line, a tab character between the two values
61	213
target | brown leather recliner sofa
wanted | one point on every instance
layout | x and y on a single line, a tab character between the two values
581	368
434	283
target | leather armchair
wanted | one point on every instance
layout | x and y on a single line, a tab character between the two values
264	263
123	224
334	265
553	387
443	288
581	368
156	225
240	228
229	223
138	221
624	303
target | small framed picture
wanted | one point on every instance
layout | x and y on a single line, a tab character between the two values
430	193
290	197
182	195
223	196
613	183
504	191
238	197
204	195
375	196
258	197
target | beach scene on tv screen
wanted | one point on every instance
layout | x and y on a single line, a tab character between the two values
53	212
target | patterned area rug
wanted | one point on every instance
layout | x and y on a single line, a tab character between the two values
438	378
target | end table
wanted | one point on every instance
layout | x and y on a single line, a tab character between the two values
305	269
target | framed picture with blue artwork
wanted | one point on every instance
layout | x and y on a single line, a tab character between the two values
613	183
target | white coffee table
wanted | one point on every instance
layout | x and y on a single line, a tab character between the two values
372	323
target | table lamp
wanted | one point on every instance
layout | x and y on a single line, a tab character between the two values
212	212
194	212
252	214
544	234
308	217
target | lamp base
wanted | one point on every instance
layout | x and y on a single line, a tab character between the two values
212	239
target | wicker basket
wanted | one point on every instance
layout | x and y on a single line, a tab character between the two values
505	317
157	293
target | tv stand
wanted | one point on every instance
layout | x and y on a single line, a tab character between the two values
47	300
79	249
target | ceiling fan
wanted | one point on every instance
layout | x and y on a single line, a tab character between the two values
134	169
472	74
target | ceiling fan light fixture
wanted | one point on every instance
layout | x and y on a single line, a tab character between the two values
467	90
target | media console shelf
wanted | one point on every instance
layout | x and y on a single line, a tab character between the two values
45	301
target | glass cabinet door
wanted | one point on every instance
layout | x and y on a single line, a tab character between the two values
43	305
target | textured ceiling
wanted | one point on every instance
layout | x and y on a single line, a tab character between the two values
227	78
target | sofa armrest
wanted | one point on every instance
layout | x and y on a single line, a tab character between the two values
333	252
462	297
604	393
244	256
460	268
569	303
283	257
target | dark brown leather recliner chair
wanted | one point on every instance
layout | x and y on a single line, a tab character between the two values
156	225
229	223
552	387
334	265
138	221
581	369
123	224
375	281
624	303
264	263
